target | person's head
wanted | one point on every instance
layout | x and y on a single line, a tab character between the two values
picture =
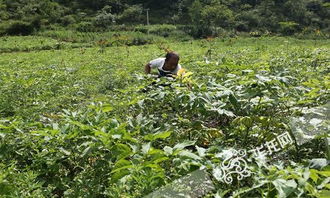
171	60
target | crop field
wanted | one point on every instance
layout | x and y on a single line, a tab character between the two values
79	118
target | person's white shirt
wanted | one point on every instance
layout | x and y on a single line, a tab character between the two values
159	63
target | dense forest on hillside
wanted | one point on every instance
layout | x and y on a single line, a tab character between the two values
200	17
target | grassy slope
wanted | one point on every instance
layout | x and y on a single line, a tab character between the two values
38	85
93	70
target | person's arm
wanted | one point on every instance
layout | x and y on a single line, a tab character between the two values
147	68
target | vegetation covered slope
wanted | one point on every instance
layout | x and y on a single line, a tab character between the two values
86	122
204	17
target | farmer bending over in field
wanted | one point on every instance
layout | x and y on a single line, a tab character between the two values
168	66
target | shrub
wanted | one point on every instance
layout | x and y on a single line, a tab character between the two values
85	27
133	14
132	38
123	27
246	21
17	28
142	28
67	20
180	36
105	18
288	28
161	30
201	31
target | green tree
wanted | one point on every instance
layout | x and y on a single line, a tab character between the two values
217	14
132	14
269	16
105	18
296	11
3	11
247	20
195	11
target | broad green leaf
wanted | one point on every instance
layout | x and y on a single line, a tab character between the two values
311	189
121	151
81	125
159	135
121	163
324	194
106	108
153	151
313	175
324	173
117	175
201	151
146	147
168	150
284	187
327	186
189	154
184	144
86	151
66	152
4	127
233	100
160	160
40	133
